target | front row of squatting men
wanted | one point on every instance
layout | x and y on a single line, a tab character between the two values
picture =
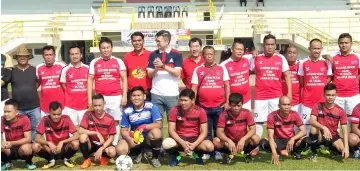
187	131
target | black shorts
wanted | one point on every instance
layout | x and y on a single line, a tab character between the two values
281	143
188	139
62	153
329	143
95	147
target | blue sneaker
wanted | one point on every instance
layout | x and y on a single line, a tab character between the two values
175	160
357	154
199	161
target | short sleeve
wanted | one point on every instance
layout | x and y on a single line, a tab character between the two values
315	110
72	128
63	75
285	64
41	127
155	113
84	121
195	78
173	114
355	116
221	121
329	71
27	124
92	67
270	122
225	74
358	56
121	64
298	120
6	75
112	127
151	61
202	116
301	68
343	117
125	122
178	61
249	119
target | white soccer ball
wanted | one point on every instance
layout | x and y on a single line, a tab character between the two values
124	162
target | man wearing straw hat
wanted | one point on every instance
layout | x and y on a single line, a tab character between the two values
24	87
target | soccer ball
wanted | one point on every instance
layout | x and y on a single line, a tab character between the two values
124	162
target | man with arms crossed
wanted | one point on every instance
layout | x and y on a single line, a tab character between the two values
232	135
187	130
48	75
314	73
15	136
281	132
74	81
325	119
144	117
109	74
57	143
97	130
269	69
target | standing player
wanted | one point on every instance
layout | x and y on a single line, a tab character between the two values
291	55
136	62
314	73
238	68
187	130
57	143
281	132
346	69
194	60
236	130
325	118
165	68
109	74
354	136
144	117
97	130
269	68
15	136
74	80
48	75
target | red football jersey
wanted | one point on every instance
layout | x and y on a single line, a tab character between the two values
355	116
107	75
236	126
75	80
315	78
346	71
136	69
211	91
329	117
188	68
269	70
295	84
105	125
239	73
188	125
56	132
15	131
51	89
283	127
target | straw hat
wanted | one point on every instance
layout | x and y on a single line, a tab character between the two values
22	51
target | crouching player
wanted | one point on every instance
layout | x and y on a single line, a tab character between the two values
57	143
144	117
97	130
354	136
232	132
16	143
324	121
281	131
187	130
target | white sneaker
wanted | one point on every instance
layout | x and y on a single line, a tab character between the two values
218	156
206	156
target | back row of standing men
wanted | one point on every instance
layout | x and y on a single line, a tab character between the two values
159	71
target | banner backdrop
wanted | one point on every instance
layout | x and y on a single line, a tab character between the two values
149	36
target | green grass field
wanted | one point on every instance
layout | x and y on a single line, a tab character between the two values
261	162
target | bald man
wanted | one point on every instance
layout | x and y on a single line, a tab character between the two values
281	131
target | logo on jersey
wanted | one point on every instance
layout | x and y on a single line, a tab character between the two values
260	62
354	62
179	118
322	69
230	68
307	68
138	73
70	75
171	60
336	62
277	123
